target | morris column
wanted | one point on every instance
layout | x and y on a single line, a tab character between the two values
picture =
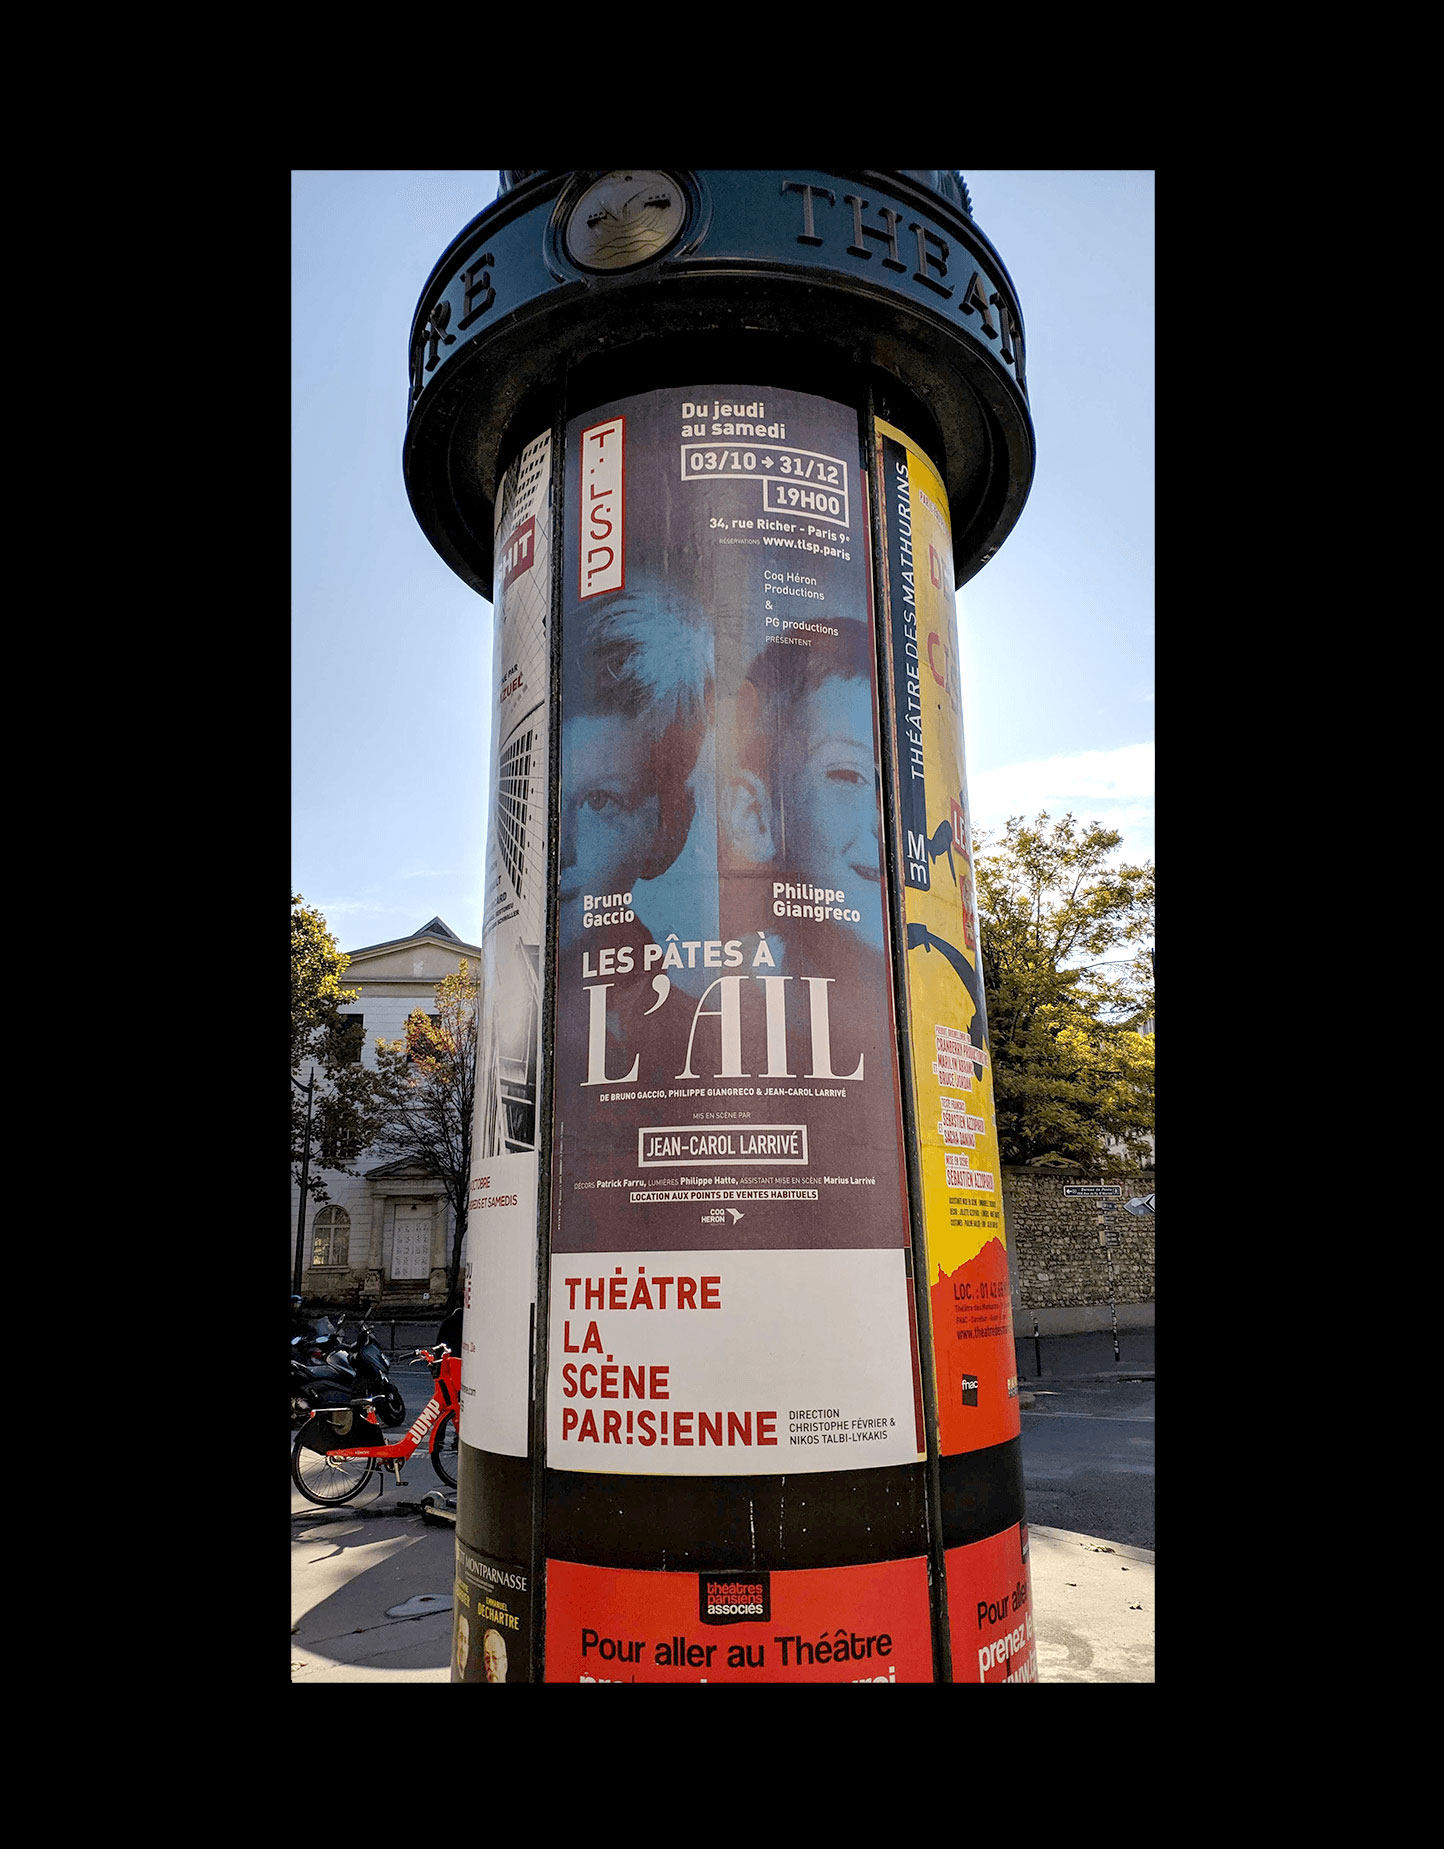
739	1399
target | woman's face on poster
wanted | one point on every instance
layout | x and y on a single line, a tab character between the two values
611	812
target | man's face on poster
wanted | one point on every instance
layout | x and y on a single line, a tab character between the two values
493	1656
611	812
827	801
463	1643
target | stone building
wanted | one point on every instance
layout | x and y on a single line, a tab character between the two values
385	1233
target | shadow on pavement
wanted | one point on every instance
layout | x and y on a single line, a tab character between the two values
370	1597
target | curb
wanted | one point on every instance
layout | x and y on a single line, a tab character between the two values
1143	1556
1115	1375
436	1505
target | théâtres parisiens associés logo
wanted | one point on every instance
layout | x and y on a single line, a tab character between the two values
734	1598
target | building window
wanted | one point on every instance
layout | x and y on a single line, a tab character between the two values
352	1038
331	1237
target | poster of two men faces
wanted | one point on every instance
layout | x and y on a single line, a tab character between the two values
720	838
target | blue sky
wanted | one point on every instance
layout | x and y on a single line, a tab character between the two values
391	653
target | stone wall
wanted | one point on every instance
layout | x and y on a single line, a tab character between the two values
1059	1269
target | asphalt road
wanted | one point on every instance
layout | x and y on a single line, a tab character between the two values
1088	1458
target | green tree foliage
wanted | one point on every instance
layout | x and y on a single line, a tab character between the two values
345	1113
1066	944
427	1084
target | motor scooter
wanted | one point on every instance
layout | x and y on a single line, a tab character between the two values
310	1370
335	1375
311	1343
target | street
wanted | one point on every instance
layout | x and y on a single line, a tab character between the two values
1088	1458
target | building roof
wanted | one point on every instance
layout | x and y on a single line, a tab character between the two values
434	928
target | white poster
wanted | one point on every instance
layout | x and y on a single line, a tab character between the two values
716	1363
500	1285
496	1333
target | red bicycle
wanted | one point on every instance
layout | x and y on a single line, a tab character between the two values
333	1459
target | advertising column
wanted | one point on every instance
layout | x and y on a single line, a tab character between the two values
988	1585
731	1300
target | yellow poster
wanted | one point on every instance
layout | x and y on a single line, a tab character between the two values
953	1120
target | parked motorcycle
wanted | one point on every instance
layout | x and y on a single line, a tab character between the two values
312	1345
341	1373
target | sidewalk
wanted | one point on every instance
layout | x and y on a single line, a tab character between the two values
1079	1357
1092	1606
371	1595
371	1581
371	1586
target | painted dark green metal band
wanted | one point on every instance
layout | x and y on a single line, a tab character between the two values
872	266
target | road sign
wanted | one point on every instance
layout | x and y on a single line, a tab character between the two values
1140	1204
1093	1190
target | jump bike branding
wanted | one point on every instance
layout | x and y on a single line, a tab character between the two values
331	1460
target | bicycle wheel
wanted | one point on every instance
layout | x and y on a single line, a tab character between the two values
444	1450
323	1478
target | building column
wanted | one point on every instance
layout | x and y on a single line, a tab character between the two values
440	1244
372	1284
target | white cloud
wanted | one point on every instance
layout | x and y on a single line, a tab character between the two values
1112	787
345	908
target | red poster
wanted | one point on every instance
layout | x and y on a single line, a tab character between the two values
990	1609
834	1624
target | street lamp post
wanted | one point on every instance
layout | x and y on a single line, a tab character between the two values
310	1090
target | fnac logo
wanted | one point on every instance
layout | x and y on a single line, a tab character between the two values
970	1389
